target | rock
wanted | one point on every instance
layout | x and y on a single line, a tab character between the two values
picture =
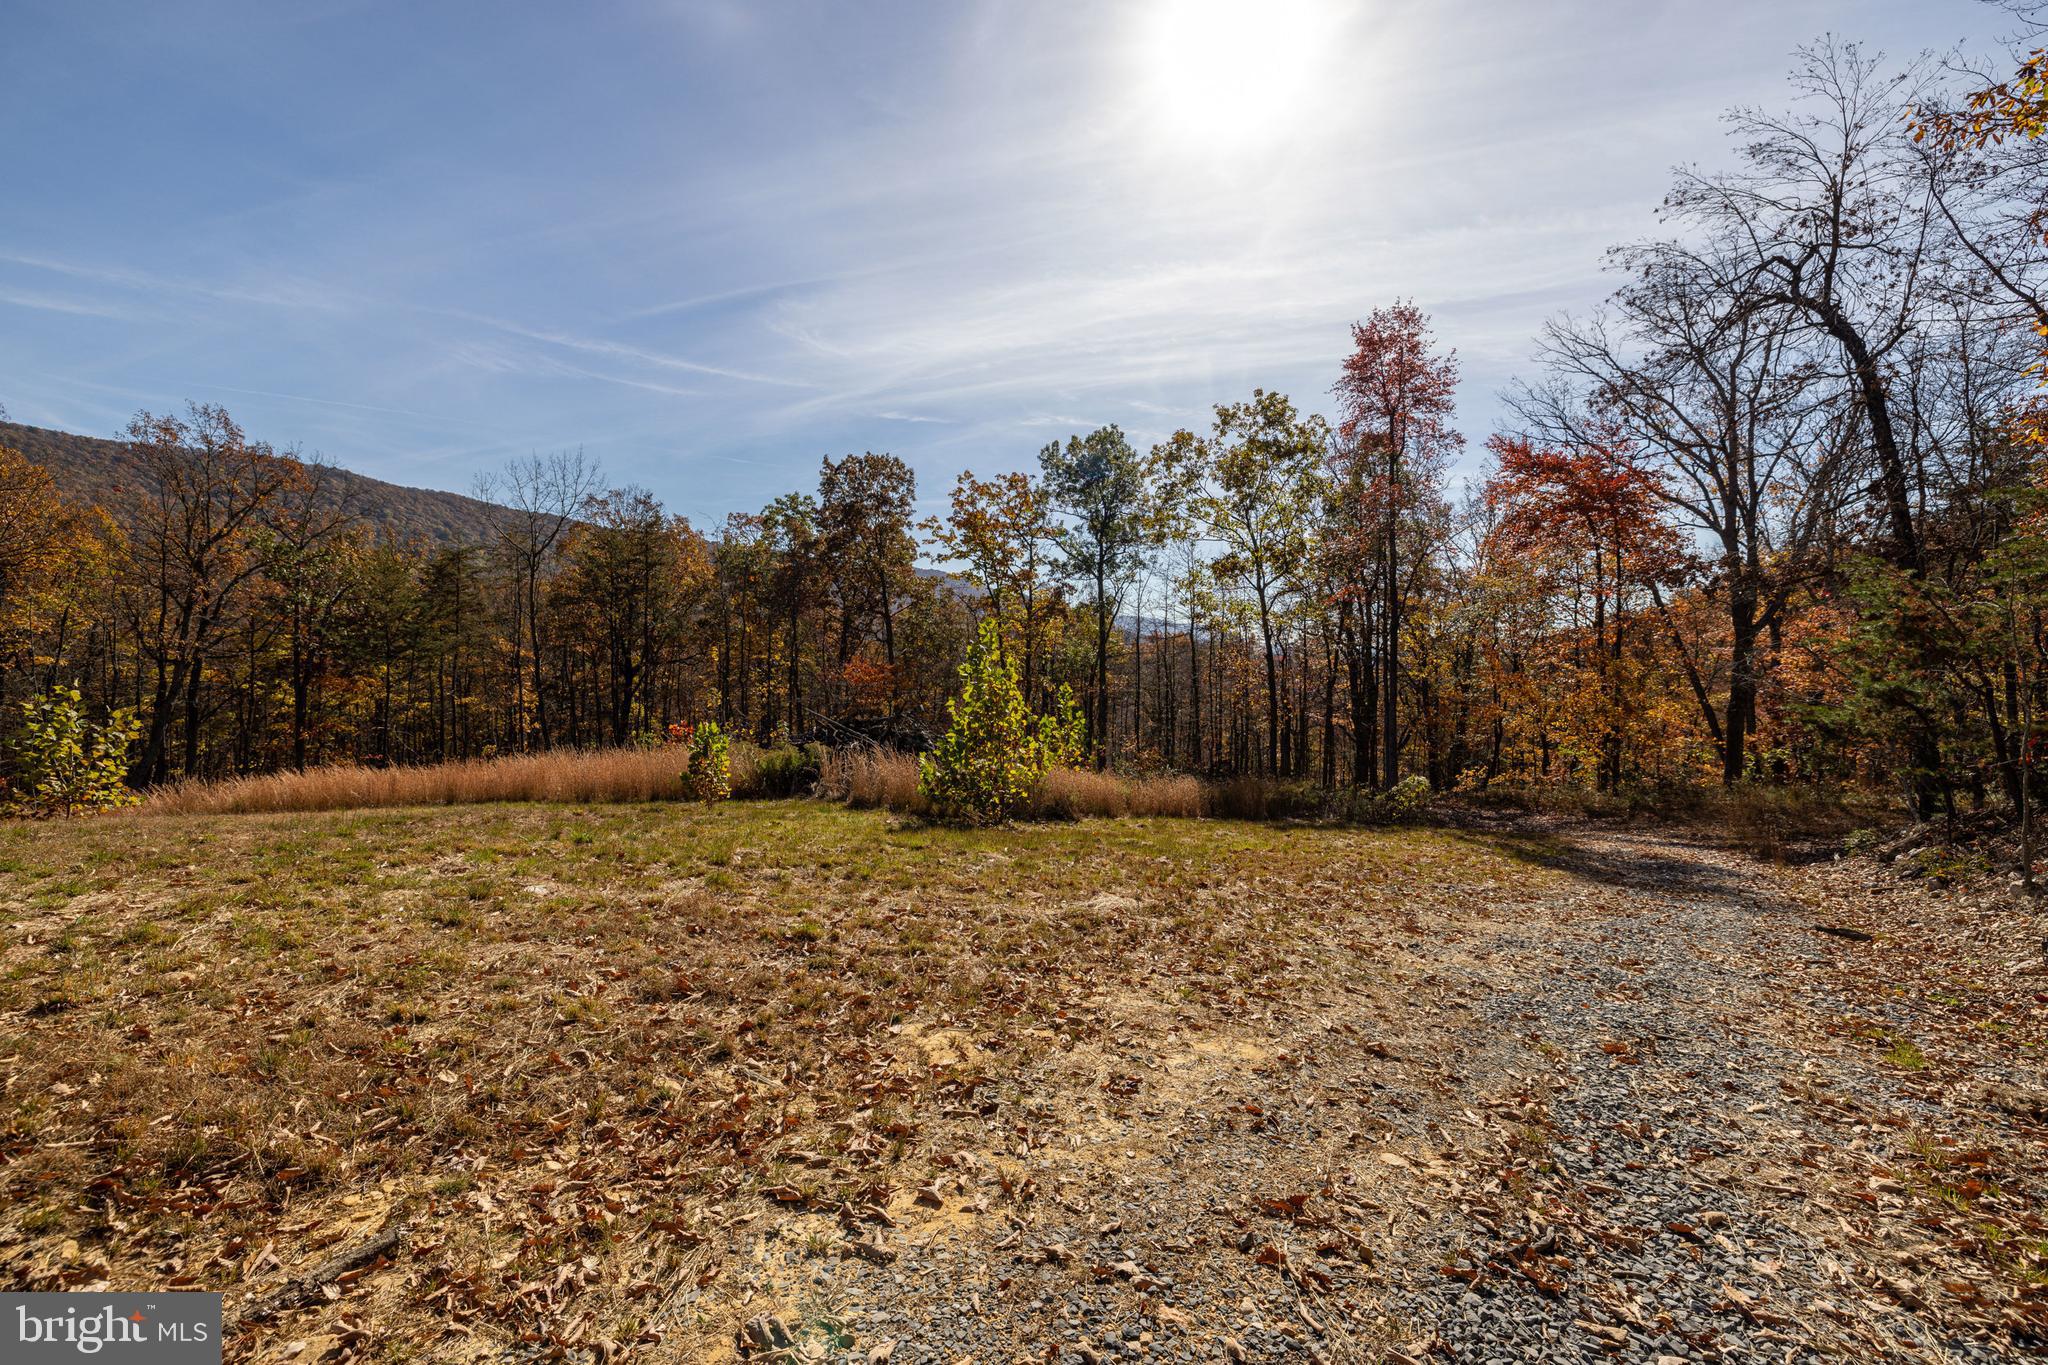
2018	1101
1903	1290
871	1249
766	1333
1613	1336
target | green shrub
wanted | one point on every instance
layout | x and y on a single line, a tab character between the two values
69	763
1250	797
995	751
1943	866
1407	800
1408	797
708	777
789	771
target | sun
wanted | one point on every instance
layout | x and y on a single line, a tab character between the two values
1224	76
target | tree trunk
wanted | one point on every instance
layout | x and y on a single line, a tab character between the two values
1741	684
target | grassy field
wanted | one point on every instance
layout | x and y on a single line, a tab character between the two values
563	1049
797	1081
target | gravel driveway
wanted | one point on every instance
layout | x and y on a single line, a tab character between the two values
1646	1108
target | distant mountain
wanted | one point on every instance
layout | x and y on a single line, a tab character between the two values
89	469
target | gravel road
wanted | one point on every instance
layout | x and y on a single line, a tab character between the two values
1611	1116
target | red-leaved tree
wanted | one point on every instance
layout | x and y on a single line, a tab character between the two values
1396	398
1591	499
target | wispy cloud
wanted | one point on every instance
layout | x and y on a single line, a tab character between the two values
51	303
710	242
1045	419
622	351
196	386
283	292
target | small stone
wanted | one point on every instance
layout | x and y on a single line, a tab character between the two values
871	1249
767	1333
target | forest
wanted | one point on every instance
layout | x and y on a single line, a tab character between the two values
1771	514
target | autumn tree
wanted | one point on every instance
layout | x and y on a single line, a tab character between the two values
1256	499
1595	501
634	572
789	526
741	565
310	542
50	551
1002	533
1101	489
1827	220
1181	465
1396	400
1750	450
540	497
197	552
865	504
1986	168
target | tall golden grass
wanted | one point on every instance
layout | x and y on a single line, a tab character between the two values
1075	792
886	779
871	778
571	775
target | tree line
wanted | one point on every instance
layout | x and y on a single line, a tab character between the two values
1772	512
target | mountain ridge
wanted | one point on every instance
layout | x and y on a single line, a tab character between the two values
108	472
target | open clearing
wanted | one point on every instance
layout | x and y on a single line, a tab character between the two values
480	1083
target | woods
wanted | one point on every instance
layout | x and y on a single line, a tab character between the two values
1771	514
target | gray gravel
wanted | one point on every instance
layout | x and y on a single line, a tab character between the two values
1666	1135
1615	1115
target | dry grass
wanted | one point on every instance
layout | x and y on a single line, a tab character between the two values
865	778
887	780
585	1046
583	776
1075	792
1767	821
872	778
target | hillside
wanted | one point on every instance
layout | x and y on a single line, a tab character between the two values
106	472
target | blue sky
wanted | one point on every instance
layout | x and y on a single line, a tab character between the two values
710	243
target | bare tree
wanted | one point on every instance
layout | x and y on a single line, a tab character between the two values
207	487
1829	221
1747	443
541	495
305	534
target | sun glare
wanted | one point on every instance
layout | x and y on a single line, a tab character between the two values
1232	75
